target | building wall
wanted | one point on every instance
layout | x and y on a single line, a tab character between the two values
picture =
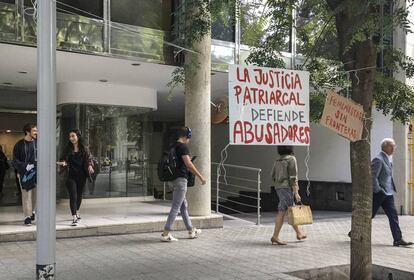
329	163
410	161
8	140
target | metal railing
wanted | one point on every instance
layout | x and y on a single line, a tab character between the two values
228	182
234	183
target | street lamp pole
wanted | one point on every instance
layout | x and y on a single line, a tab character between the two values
46	121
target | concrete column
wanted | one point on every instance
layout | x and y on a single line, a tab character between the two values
401	168
46	121
401	159
197	117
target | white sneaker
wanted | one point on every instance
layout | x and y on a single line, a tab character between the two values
74	222
194	233
168	238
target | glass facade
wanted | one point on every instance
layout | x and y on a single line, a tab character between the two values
139	28
154	14
223	31
90	8
119	139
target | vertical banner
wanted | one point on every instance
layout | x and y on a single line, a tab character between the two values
268	106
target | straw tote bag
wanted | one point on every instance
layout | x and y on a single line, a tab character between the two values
299	215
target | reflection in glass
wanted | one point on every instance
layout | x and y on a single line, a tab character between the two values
222	54
8	20
152	14
223	31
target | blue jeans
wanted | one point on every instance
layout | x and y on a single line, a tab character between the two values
179	203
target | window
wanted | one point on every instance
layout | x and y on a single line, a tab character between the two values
154	14
89	8
223	31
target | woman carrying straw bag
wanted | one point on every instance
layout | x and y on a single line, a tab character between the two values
284	175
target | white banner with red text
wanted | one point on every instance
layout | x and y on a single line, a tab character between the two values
268	106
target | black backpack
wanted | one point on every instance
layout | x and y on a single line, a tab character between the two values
167	166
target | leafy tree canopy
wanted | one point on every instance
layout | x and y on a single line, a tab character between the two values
319	53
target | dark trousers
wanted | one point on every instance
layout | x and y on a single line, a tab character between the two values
387	203
75	189
19	190
2	174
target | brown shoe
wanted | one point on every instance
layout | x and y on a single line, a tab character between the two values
277	241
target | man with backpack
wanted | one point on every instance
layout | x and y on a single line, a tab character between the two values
24	161
177	164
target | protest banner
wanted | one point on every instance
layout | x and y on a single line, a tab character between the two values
344	116
268	106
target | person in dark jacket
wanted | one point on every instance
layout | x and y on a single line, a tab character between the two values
77	161
24	161
3	167
384	190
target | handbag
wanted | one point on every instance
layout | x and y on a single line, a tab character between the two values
299	215
28	181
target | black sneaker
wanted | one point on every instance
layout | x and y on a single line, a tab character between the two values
33	216
28	221
402	243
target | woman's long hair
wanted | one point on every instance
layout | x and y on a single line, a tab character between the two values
70	148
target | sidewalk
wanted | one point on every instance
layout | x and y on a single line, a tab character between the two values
101	217
238	251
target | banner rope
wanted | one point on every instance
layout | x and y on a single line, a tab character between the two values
307	158
223	155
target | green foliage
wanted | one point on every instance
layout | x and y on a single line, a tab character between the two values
394	98
317	40
178	76
197	21
253	22
315	30
177	79
265	56
327	75
195	17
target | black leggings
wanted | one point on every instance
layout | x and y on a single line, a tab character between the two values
75	190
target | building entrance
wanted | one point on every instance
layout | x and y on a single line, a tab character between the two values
11	125
119	139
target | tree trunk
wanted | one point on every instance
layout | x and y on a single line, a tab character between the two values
360	55
362	92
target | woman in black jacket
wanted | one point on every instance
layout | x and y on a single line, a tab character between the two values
77	158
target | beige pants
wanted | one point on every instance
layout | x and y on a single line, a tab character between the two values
28	200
